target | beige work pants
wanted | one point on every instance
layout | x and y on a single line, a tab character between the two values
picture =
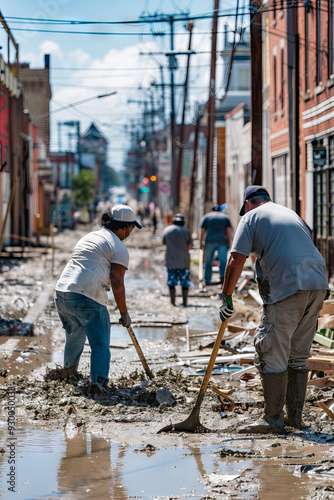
285	333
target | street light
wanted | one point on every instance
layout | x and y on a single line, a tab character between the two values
84	100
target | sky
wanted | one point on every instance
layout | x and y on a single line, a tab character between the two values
113	57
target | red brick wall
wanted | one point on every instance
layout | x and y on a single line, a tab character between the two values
278	119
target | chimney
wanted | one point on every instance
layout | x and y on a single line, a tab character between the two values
47	60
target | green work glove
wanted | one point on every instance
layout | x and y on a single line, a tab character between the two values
226	307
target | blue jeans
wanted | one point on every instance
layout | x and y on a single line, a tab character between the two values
81	317
210	249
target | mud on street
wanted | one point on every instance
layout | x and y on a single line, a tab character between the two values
73	440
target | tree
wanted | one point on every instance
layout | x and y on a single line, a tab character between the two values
110	178
83	187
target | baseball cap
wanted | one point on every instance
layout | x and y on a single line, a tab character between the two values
178	217
250	192
123	213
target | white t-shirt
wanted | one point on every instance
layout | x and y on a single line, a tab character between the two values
286	257
88	270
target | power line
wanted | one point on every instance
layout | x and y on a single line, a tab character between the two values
147	20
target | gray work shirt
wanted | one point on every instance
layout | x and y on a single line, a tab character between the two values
286	257
177	240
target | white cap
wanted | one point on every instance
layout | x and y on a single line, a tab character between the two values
123	213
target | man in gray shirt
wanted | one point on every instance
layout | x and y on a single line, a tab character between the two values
293	284
177	239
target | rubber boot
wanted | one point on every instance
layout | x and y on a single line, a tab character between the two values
60	373
295	397
172	294
185	296
274	392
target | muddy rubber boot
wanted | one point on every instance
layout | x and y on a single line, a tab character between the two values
172	294
295	397
60	373
185	296
274	391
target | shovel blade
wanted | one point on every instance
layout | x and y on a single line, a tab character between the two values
191	424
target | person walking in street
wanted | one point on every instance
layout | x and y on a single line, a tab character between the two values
216	235
292	281
99	260
177	239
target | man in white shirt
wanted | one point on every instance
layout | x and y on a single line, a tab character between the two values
98	262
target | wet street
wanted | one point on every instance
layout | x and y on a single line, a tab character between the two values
69	441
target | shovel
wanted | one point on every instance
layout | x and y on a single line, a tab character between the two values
192	423
140	352
200	271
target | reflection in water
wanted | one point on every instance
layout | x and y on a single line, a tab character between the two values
74	464
87	468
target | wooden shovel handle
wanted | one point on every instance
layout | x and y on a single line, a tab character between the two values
140	352
211	363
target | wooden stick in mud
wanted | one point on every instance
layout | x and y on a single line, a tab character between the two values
326	409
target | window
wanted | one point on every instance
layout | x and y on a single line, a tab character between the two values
282	181
330	38
282	78
307	45
275	83
318	40
244	83
274	9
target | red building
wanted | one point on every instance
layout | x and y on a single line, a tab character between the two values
302	114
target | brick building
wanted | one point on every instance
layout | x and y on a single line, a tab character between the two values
302	114
37	95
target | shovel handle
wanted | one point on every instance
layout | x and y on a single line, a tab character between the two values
200	265
140	352
209	368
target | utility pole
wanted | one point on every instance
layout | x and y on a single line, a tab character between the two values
172	64
194	172
211	110
256	90
181	137
293	101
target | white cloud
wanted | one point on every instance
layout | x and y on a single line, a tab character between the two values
53	48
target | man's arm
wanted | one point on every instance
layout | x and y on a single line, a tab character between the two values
233	271
202	238
117	272
229	236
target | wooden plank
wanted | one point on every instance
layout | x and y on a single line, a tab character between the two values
321	382
256	296
243	284
240	373
223	359
327	308
235	328
317	364
324	341
326	409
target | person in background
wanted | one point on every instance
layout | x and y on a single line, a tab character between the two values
216	235
292	280
177	239
99	261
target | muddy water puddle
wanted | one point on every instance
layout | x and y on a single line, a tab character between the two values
73	464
